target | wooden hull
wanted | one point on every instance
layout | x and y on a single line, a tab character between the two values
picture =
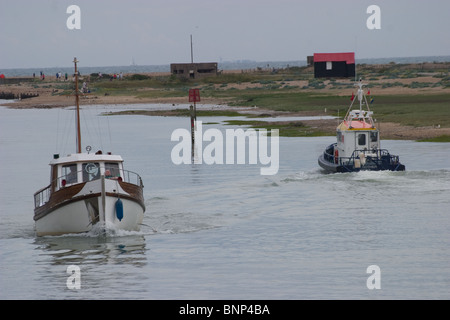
80	207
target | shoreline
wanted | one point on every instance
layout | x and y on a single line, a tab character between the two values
57	94
388	130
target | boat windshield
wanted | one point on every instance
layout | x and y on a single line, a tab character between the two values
112	170
362	139
373	136
91	171
69	173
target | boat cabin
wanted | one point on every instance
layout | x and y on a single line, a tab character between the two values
82	167
357	132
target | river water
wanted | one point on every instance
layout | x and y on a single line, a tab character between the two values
225	231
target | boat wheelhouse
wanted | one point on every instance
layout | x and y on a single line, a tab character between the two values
358	143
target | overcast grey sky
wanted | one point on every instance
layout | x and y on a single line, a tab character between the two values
153	32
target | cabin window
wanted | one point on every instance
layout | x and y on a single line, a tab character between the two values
112	170
69	173
91	171
374	136
329	65
362	139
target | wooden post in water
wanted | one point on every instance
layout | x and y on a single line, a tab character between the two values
194	96
192	132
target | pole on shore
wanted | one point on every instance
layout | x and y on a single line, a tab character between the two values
192	51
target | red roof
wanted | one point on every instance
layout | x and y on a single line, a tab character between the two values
348	57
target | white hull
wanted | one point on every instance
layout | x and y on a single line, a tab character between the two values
92	204
75	217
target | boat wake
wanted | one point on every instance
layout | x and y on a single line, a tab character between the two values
371	176
313	174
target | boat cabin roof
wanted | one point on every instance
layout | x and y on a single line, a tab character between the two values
358	120
86	157
355	125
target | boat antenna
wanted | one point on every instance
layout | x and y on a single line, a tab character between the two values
360	93
192	51
77	100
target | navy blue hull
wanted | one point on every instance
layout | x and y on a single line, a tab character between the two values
353	164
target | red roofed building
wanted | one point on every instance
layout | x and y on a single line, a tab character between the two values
334	65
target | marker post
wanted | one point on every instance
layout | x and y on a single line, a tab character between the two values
194	96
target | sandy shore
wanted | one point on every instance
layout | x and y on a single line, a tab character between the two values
47	99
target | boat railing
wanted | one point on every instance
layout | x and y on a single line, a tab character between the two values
133	178
369	157
328	155
42	196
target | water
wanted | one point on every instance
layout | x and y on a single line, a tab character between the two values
225	231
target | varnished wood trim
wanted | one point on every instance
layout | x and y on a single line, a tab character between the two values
61	198
135	192
66	196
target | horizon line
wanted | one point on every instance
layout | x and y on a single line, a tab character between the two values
225	62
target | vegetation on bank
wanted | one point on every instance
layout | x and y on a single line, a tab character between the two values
285	129
442	138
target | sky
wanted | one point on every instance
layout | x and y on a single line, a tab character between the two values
34	33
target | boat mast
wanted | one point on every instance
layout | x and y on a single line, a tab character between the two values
360	94
77	100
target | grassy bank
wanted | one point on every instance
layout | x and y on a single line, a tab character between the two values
416	95
285	129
